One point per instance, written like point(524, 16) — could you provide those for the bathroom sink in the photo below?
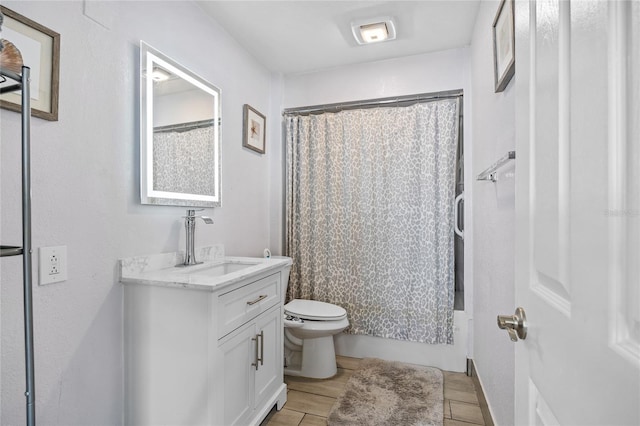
point(219, 269)
point(215, 272)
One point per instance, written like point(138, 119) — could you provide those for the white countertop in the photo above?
point(161, 269)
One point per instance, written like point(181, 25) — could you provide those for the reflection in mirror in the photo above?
point(180, 134)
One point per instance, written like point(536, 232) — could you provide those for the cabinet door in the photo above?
point(269, 373)
point(237, 353)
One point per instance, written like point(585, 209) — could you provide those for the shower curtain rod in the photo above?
point(183, 127)
point(373, 103)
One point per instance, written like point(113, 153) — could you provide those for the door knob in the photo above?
point(516, 325)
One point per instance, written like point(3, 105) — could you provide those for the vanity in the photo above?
point(203, 343)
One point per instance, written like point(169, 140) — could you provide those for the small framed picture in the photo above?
point(40, 50)
point(254, 130)
point(504, 46)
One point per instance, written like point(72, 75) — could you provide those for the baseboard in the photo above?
point(482, 400)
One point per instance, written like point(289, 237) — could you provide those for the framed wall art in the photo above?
point(40, 50)
point(504, 51)
point(254, 129)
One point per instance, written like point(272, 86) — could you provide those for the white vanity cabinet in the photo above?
point(250, 375)
point(204, 356)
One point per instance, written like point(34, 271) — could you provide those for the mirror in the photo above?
point(179, 134)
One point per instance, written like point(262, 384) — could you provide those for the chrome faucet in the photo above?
point(190, 226)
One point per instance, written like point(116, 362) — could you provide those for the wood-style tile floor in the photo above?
point(309, 400)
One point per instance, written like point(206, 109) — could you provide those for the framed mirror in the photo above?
point(179, 134)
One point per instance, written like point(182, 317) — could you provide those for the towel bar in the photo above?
point(491, 172)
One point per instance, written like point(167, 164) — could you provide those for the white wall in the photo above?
point(493, 217)
point(276, 152)
point(182, 107)
point(86, 196)
point(434, 72)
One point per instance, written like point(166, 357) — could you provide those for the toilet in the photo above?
point(309, 327)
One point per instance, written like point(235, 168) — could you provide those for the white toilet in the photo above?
point(309, 327)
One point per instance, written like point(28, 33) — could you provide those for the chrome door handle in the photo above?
point(259, 352)
point(261, 336)
point(456, 208)
point(255, 364)
point(516, 325)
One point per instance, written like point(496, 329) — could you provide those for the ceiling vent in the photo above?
point(373, 30)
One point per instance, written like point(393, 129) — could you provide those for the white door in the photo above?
point(578, 212)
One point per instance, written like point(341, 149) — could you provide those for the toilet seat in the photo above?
point(314, 310)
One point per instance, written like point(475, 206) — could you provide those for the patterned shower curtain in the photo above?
point(370, 197)
point(179, 156)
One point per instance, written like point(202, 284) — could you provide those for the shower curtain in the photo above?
point(370, 197)
point(179, 156)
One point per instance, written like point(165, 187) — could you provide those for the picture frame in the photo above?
point(254, 129)
point(504, 51)
point(40, 50)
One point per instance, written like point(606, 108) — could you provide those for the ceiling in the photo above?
point(302, 36)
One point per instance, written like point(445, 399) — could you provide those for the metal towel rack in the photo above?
point(23, 84)
point(492, 171)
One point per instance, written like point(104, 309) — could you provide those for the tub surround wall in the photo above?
point(447, 357)
point(493, 215)
point(86, 195)
point(434, 72)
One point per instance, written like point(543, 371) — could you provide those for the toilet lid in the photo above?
point(314, 310)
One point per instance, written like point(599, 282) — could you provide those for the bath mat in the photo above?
point(390, 393)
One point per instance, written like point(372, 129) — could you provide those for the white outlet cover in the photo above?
point(44, 262)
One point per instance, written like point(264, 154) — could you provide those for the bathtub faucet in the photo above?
point(190, 227)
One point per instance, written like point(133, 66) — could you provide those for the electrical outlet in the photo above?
point(53, 264)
